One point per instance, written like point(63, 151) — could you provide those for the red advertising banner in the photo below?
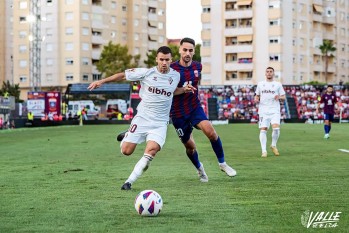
point(53, 103)
point(41, 103)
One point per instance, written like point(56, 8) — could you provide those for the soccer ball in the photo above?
point(148, 203)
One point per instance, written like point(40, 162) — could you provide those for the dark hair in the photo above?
point(187, 40)
point(164, 50)
point(270, 68)
point(330, 86)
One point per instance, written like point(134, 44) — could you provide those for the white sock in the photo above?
point(275, 136)
point(140, 167)
point(263, 140)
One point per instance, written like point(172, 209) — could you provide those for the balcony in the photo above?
point(238, 66)
point(233, 31)
point(238, 48)
point(97, 40)
point(238, 14)
point(329, 20)
point(96, 54)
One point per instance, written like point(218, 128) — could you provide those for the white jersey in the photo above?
point(267, 92)
point(156, 92)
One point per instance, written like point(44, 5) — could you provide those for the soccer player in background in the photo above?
point(329, 101)
point(158, 85)
point(269, 93)
point(187, 113)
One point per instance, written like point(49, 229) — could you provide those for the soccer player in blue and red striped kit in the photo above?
point(187, 113)
point(329, 101)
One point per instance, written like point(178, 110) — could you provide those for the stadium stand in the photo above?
point(236, 102)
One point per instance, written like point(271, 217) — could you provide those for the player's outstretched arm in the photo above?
point(182, 90)
point(114, 78)
point(256, 98)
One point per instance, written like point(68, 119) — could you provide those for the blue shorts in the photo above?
point(184, 125)
point(328, 117)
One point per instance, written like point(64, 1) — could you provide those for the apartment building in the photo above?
point(240, 38)
point(2, 42)
point(72, 34)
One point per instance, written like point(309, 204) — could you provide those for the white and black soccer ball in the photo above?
point(148, 203)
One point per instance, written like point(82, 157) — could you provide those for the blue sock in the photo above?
point(218, 149)
point(194, 158)
point(327, 129)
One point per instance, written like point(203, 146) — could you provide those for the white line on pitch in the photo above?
point(344, 150)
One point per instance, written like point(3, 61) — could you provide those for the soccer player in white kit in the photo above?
point(268, 95)
point(158, 85)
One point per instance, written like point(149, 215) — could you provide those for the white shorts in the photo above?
point(142, 130)
point(265, 120)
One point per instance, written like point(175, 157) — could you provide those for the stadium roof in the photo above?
point(108, 88)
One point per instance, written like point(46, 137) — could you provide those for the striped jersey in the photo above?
point(156, 92)
point(329, 101)
point(184, 104)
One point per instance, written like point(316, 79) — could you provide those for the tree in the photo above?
point(11, 90)
point(150, 62)
point(115, 58)
point(326, 49)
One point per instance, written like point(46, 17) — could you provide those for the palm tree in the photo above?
point(326, 49)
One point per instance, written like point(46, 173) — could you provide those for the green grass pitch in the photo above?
point(68, 179)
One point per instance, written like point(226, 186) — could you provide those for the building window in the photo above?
point(49, 77)
point(161, 12)
point(69, 61)
point(69, 77)
point(231, 75)
point(161, 39)
point(274, 57)
point(85, 16)
point(22, 48)
point(136, 8)
point(113, 5)
point(69, 31)
point(113, 19)
point(69, 16)
point(113, 34)
point(85, 46)
point(69, 46)
point(85, 77)
point(85, 31)
point(22, 19)
point(274, 22)
point(206, 43)
point(124, 22)
point(136, 50)
point(23, 63)
point(136, 36)
point(206, 9)
point(22, 79)
point(49, 2)
point(136, 22)
point(22, 34)
point(273, 40)
point(23, 5)
point(85, 61)
point(49, 47)
point(96, 77)
point(124, 8)
point(49, 62)
point(160, 25)
point(85, 2)
point(49, 32)
point(152, 10)
point(49, 17)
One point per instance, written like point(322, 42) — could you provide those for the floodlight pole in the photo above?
point(35, 46)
